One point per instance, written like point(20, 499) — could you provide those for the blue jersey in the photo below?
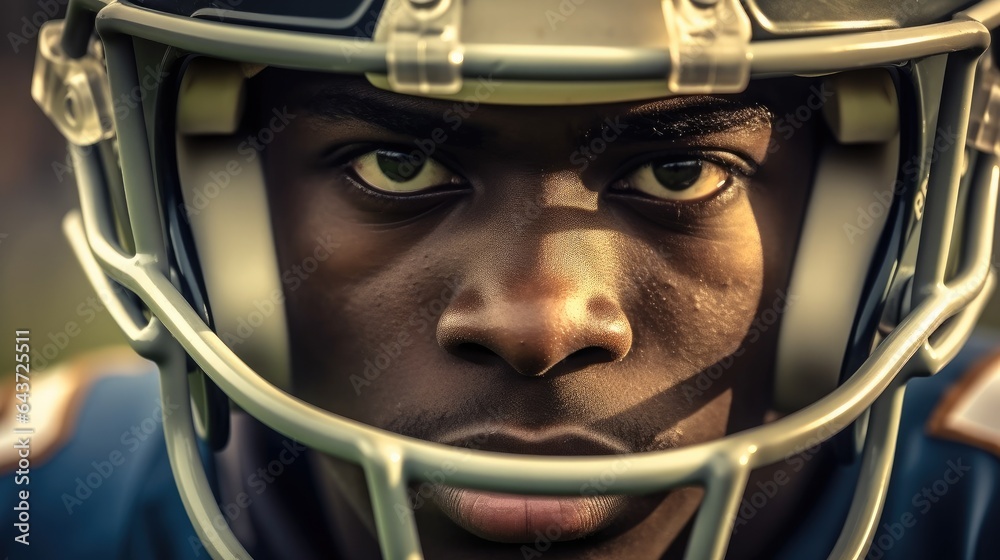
point(102, 488)
point(98, 479)
point(943, 501)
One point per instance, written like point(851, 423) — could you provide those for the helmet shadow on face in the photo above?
point(572, 307)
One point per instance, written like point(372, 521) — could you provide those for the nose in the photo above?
point(536, 332)
point(540, 291)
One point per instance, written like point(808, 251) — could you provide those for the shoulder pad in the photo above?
point(970, 410)
point(56, 396)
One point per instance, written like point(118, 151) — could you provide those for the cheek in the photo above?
point(698, 301)
point(363, 310)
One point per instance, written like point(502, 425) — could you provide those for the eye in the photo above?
point(399, 173)
point(681, 180)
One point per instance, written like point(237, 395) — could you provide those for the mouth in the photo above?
point(516, 518)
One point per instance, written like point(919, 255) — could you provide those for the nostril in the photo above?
point(588, 356)
point(475, 353)
point(537, 336)
point(579, 360)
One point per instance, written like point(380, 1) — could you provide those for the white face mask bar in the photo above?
point(390, 461)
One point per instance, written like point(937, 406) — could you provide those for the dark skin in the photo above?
point(516, 295)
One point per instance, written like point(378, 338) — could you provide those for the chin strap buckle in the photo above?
point(424, 53)
point(709, 42)
point(984, 118)
point(74, 93)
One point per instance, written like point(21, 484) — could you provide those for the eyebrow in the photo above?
point(410, 116)
point(663, 120)
point(690, 118)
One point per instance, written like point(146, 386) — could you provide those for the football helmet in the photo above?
point(149, 94)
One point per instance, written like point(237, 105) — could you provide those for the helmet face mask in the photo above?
point(264, 274)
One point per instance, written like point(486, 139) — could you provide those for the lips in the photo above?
point(516, 518)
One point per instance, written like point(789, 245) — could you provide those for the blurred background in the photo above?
point(41, 286)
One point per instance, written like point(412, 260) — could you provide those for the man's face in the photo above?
point(537, 280)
